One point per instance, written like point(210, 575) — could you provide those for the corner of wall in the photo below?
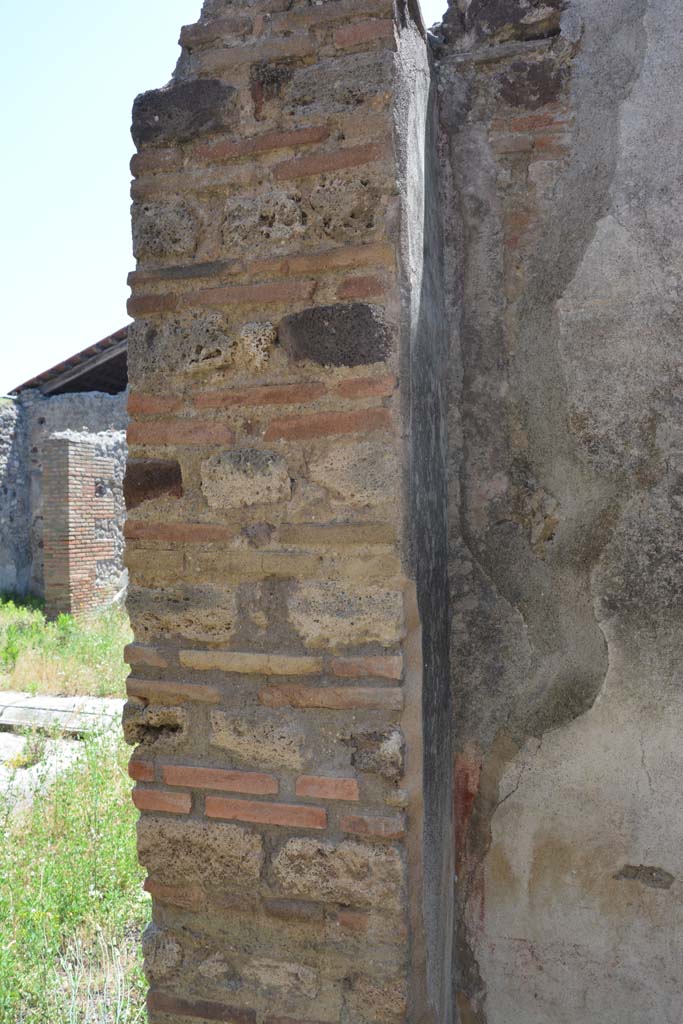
point(285, 530)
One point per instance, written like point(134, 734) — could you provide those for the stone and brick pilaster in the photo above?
point(278, 676)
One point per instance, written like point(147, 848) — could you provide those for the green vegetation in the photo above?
point(71, 900)
point(70, 656)
point(34, 750)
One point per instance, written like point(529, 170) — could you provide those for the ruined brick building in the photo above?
point(62, 463)
point(405, 504)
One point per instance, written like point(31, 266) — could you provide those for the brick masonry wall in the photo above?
point(78, 509)
point(276, 687)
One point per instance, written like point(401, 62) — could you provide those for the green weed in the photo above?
point(68, 656)
point(34, 750)
point(71, 900)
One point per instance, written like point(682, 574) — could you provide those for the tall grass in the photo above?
point(69, 656)
point(71, 900)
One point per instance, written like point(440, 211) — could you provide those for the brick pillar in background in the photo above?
point(275, 696)
point(72, 509)
point(69, 530)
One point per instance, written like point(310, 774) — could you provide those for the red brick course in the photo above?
point(229, 58)
point(218, 297)
point(276, 394)
point(183, 533)
point(159, 1002)
point(360, 32)
point(325, 788)
point(141, 654)
point(215, 778)
point(162, 800)
point(151, 405)
point(381, 667)
point(360, 288)
point(155, 160)
point(141, 771)
point(248, 294)
point(294, 910)
point(335, 160)
point(327, 424)
point(353, 920)
point(367, 387)
point(551, 145)
point(293, 695)
point(531, 122)
point(146, 305)
point(161, 692)
point(373, 827)
point(338, 258)
point(190, 898)
point(258, 813)
point(179, 432)
point(230, 150)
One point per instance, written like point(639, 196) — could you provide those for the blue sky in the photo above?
point(69, 75)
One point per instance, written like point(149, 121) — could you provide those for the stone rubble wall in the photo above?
point(15, 567)
point(276, 688)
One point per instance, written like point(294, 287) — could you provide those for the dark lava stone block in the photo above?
point(504, 20)
point(151, 478)
point(532, 84)
point(183, 111)
point(344, 335)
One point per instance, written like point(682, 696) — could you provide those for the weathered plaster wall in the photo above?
point(563, 126)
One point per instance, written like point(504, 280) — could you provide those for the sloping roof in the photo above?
point(100, 367)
